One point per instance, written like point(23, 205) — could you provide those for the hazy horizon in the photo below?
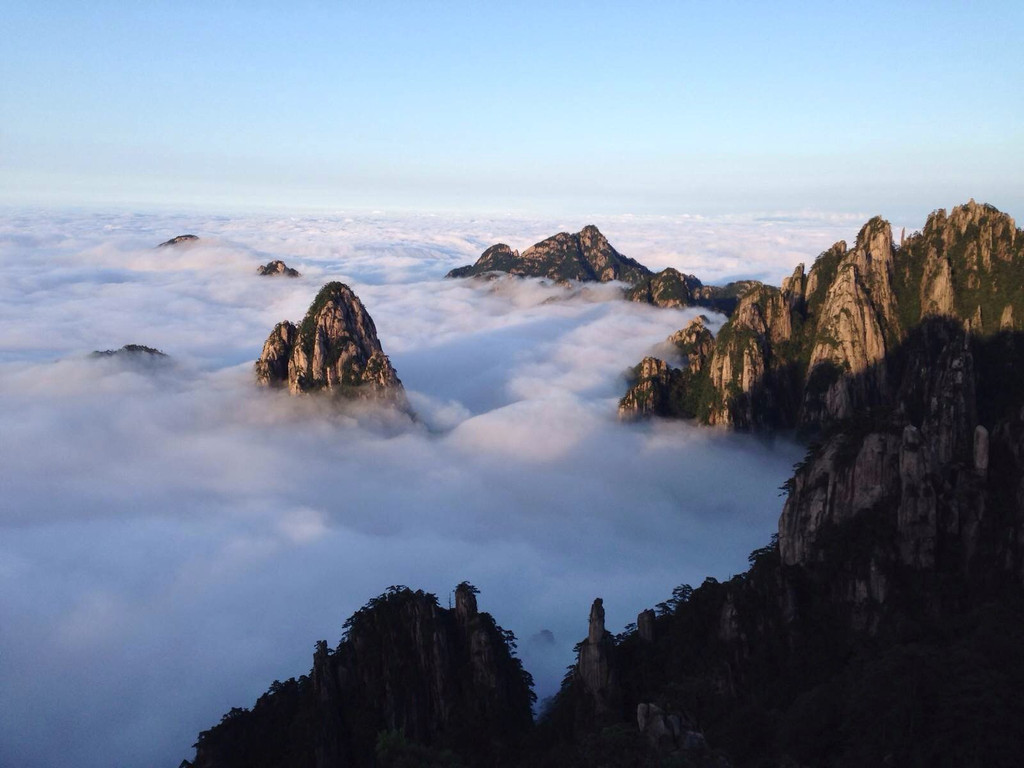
point(556, 108)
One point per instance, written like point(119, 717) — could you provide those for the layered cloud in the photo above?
point(172, 538)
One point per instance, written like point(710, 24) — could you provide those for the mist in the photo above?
point(173, 538)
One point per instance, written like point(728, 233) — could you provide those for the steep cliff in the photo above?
point(817, 350)
point(658, 389)
point(424, 684)
point(335, 349)
point(586, 256)
point(879, 626)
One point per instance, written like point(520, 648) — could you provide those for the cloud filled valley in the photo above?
point(173, 538)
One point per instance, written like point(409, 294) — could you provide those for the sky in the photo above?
point(174, 538)
point(552, 108)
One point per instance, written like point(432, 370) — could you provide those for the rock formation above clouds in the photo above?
point(179, 240)
point(275, 268)
point(334, 349)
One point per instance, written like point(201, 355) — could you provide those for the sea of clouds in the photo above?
point(173, 538)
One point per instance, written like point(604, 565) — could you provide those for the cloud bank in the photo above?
point(172, 538)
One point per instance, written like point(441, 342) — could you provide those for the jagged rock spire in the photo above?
point(335, 349)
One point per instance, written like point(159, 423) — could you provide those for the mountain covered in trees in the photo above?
point(881, 625)
point(410, 683)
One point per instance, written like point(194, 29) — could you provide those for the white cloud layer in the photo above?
point(172, 538)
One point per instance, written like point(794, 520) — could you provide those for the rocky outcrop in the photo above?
point(818, 350)
point(856, 327)
point(438, 679)
point(594, 667)
point(657, 388)
point(668, 288)
point(586, 256)
point(921, 461)
point(653, 392)
point(895, 585)
point(128, 352)
point(749, 381)
point(179, 240)
point(275, 268)
point(335, 349)
point(672, 288)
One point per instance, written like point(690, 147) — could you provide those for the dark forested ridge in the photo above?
point(411, 683)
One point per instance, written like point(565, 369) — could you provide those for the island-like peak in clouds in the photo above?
point(275, 268)
point(128, 351)
point(586, 256)
point(179, 240)
point(335, 349)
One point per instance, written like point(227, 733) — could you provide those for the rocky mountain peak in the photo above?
point(595, 632)
point(129, 351)
point(594, 667)
point(586, 256)
point(277, 267)
point(179, 240)
point(334, 349)
point(465, 601)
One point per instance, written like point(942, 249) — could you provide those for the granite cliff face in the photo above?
point(880, 625)
point(586, 256)
point(818, 350)
point(895, 585)
point(653, 391)
point(410, 683)
point(335, 349)
point(658, 389)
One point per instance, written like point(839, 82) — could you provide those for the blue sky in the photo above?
point(574, 106)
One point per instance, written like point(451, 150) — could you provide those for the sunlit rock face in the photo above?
point(585, 256)
point(335, 349)
point(672, 288)
point(821, 348)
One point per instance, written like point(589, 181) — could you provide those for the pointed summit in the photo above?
point(334, 349)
